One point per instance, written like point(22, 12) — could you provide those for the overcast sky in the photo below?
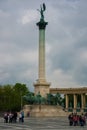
point(66, 42)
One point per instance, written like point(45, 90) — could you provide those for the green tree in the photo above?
point(6, 97)
point(11, 97)
point(20, 90)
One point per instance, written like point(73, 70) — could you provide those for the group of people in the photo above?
point(75, 119)
point(10, 117)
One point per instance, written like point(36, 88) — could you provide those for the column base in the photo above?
point(74, 110)
point(82, 110)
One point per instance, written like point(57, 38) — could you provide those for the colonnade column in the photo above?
point(75, 101)
point(84, 98)
point(83, 101)
point(82, 104)
point(67, 99)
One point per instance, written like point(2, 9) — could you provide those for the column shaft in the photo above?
point(75, 101)
point(82, 101)
point(42, 55)
point(66, 96)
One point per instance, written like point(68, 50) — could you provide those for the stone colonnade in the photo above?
point(79, 97)
point(75, 103)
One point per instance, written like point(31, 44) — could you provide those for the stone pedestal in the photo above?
point(42, 88)
point(44, 111)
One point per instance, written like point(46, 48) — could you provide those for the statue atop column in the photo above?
point(42, 9)
point(41, 84)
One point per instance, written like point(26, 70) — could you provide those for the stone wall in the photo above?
point(44, 111)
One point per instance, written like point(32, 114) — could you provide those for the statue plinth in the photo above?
point(42, 88)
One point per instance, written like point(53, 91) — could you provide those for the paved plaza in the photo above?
point(55, 123)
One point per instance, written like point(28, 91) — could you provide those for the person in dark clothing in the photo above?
point(70, 117)
point(15, 117)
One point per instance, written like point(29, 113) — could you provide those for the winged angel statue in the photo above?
point(42, 9)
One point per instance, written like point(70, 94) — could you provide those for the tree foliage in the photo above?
point(11, 96)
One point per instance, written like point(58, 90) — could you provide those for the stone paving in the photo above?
point(55, 123)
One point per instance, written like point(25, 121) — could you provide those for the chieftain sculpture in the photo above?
point(42, 9)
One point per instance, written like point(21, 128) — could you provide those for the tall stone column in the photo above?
point(41, 86)
point(41, 73)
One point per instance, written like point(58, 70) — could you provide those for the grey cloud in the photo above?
point(65, 34)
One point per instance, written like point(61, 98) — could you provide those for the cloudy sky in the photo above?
point(66, 42)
